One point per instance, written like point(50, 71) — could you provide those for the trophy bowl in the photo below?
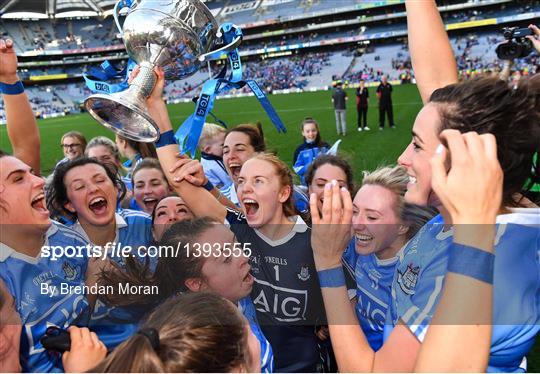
point(175, 35)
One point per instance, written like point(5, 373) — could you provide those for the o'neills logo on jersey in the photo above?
point(43, 277)
point(407, 281)
point(374, 276)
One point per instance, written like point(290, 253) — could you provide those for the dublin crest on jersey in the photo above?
point(304, 273)
point(407, 281)
point(70, 272)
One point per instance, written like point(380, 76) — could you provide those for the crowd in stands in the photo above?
point(287, 72)
point(474, 54)
point(64, 34)
point(430, 265)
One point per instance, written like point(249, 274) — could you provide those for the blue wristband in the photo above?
point(166, 138)
point(208, 186)
point(332, 277)
point(471, 262)
point(11, 89)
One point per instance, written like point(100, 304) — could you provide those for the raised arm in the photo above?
point(459, 335)
point(200, 201)
point(465, 308)
point(432, 57)
point(21, 126)
point(330, 236)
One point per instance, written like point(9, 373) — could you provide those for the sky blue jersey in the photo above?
point(114, 325)
point(373, 284)
point(418, 283)
point(267, 356)
point(41, 289)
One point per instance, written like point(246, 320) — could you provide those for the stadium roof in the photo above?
point(54, 8)
point(58, 8)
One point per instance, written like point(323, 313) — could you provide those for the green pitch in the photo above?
point(364, 150)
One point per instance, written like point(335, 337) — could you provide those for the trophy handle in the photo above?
point(120, 4)
point(214, 55)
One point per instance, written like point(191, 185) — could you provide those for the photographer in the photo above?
point(481, 118)
point(535, 39)
point(519, 44)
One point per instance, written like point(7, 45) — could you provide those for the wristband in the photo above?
point(471, 262)
point(166, 138)
point(208, 186)
point(331, 278)
point(11, 89)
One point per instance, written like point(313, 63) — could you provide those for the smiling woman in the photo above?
point(73, 144)
point(228, 276)
point(149, 184)
point(379, 234)
point(68, 193)
point(167, 211)
point(22, 209)
point(88, 191)
point(286, 293)
point(241, 143)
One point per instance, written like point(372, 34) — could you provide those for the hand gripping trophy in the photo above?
point(176, 35)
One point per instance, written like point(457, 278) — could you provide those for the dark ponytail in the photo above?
point(490, 105)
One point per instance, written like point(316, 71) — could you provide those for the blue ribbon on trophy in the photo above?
point(125, 113)
point(190, 131)
point(96, 78)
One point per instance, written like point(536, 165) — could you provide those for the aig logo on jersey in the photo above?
point(281, 303)
point(304, 273)
point(407, 280)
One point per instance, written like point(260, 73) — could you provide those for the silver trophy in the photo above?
point(176, 35)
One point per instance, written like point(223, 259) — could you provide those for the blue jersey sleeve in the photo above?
point(46, 293)
point(267, 356)
point(113, 325)
point(516, 296)
point(419, 279)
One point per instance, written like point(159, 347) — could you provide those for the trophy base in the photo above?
point(125, 118)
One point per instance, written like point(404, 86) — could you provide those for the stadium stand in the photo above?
point(288, 45)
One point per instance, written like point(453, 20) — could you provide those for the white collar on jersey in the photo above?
point(519, 216)
point(6, 251)
point(119, 220)
point(442, 235)
point(299, 226)
point(385, 262)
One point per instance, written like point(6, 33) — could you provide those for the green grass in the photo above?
point(364, 150)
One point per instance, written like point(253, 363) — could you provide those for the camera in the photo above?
point(56, 339)
point(516, 44)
